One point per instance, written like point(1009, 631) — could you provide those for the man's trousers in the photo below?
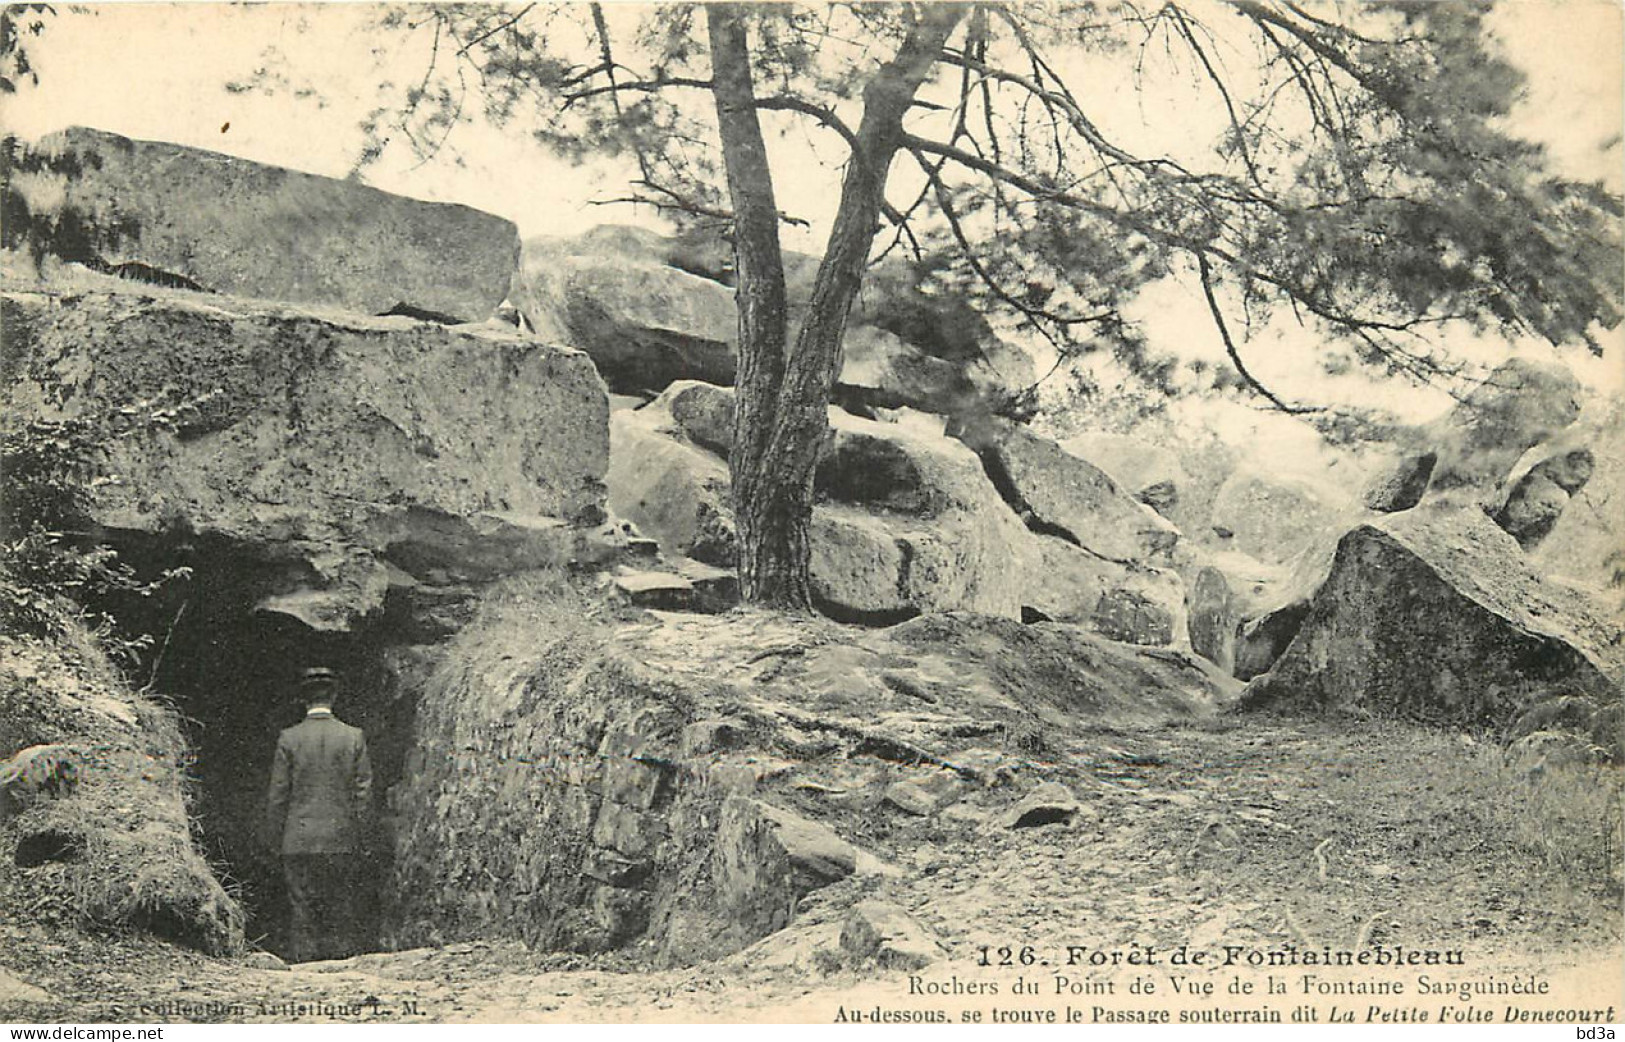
point(322, 899)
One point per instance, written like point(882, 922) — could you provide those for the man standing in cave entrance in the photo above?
point(321, 782)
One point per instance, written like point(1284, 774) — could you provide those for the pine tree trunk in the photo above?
point(781, 400)
point(766, 558)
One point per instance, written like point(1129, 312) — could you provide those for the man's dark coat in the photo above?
point(320, 784)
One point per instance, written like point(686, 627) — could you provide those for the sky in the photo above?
point(160, 72)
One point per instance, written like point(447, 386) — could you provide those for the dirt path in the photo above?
point(1254, 836)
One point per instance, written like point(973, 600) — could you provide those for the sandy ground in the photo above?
point(1273, 837)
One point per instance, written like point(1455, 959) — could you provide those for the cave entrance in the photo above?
point(232, 673)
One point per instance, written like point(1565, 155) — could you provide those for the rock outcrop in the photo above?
point(652, 310)
point(679, 785)
point(93, 815)
point(1070, 498)
point(317, 440)
point(1274, 518)
point(906, 522)
point(201, 220)
point(1519, 405)
point(1437, 615)
point(1538, 499)
point(1587, 541)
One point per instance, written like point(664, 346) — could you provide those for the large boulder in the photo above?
point(1436, 614)
point(644, 322)
point(1587, 541)
point(652, 310)
point(1273, 517)
point(1211, 607)
point(1134, 603)
point(906, 520)
point(314, 444)
point(1059, 494)
point(1150, 472)
point(937, 532)
point(1538, 499)
point(201, 219)
point(880, 370)
point(675, 493)
point(1519, 405)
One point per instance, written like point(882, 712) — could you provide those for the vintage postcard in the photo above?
point(1098, 513)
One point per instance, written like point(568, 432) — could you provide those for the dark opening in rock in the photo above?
point(138, 271)
point(874, 472)
point(42, 848)
point(858, 617)
point(231, 672)
point(1044, 816)
point(403, 309)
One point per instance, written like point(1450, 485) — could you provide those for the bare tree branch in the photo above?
point(508, 24)
point(1206, 273)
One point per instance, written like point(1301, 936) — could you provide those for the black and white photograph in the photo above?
point(1083, 512)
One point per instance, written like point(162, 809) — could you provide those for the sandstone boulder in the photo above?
point(1274, 518)
point(93, 801)
point(1212, 613)
point(676, 494)
point(1261, 641)
point(1401, 483)
point(1538, 499)
point(1062, 495)
point(924, 794)
point(1436, 614)
point(907, 521)
point(1134, 463)
point(880, 370)
point(1270, 617)
point(881, 933)
point(651, 310)
point(643, 322)
point(704, 413)
point(314, 442)
point(237, 227)
point(1161, 496)
point(1135, 603)
point(1587, 541)
point(1520, 404)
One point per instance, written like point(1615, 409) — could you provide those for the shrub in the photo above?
point(51, 567)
